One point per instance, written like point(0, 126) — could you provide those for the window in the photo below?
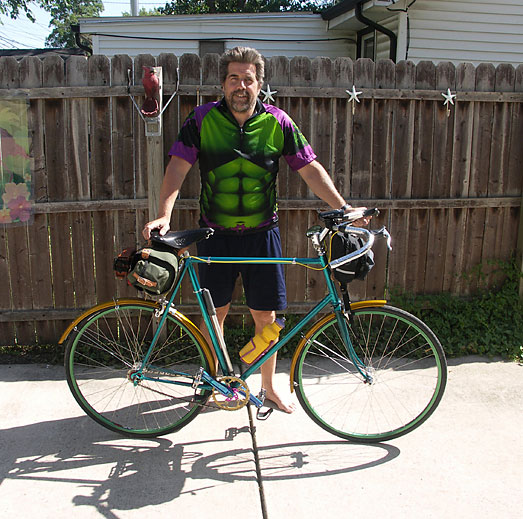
point(210, 46)
point(366, 44)
point(368, 50)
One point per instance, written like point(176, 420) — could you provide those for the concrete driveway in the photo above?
point(466, 461)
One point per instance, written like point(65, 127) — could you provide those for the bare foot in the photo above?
point(287, 406)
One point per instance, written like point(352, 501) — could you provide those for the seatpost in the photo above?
point(216, 325)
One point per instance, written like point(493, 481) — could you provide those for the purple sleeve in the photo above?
point(187, 145)
point(179, 149)
point(296, 150)
point(301, 159)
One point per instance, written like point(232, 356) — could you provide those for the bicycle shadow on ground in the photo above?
point(111, 473)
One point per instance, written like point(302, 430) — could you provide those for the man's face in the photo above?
point(241, 88)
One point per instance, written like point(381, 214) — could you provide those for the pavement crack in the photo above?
point(257, 463)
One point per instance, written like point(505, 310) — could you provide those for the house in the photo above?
point(416, 30)
point(434, 30)
point(273, 34)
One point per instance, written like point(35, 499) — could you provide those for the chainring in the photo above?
point(241, 394)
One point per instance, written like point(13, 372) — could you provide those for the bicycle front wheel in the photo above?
point(105, 352)
point(404, 374)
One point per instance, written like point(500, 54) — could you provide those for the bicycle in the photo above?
point(365, 371)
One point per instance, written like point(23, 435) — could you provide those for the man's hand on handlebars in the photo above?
point(161, 224)
point(366, 216)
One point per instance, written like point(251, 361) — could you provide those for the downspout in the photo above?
point(371, 23)
point(75, 28)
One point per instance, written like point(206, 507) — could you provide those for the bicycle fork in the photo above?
point(342, 318)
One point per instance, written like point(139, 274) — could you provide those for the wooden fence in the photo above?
point(449, 184)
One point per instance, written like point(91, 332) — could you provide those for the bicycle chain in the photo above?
point(190, 400)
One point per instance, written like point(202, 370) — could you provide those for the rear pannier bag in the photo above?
point(153, 271)
point(343, 244)
point(123, 263)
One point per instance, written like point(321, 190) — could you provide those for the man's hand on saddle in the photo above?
point(162, 225)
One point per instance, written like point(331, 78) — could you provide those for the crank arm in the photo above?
point(222, 388)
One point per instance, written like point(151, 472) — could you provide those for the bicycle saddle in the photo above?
point(182, 239)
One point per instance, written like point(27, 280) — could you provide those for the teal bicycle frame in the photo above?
point(331, 298)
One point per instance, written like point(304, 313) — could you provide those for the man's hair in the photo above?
point(242, 55)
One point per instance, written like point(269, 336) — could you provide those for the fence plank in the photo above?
point(480, 165)
point(440, 180)
point(342, 128)
point(362, 132)
point(189, 74)
point(124, 171)
point(38, 233)
point(401, 176)
point(494, 241)
point(421, 175)
point(102, 182)
point(78, 169)
point(515, 177)
point(16, 235)
point(300, 111)
point(7, 330)
point(277, 75)
point(362, 135)
point(170, 118)
point(457, 245)
point(380, 179)
point(291, 223)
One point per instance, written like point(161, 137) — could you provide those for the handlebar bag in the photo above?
point(153, 271)
point(343, 244)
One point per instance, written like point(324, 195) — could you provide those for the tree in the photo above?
point(243, 6)
point(63, 14)
point(144, 12)
point(13, 8)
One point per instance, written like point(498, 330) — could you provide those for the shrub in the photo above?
point(489, 322)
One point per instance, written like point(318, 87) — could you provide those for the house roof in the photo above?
point(42, 53)
point(341, 8)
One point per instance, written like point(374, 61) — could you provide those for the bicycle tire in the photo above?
point(107, 346)
point(404, 358)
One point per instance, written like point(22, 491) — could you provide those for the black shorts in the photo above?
point(264, 285)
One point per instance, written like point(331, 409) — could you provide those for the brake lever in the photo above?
point(384, 234)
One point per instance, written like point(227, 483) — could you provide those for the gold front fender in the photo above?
point(354, 306)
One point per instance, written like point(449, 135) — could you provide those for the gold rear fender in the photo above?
point(152, 304)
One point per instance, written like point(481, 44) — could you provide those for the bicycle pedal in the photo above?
point(261, 395)
point(263, 413)
point(197, 378)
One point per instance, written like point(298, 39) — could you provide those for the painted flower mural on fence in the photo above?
point(15, 163)
point(16, 200)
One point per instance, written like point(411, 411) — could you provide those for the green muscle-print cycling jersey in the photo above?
point(238, 166)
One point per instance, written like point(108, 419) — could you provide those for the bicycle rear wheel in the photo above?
point(107, 348)
point(399, 352)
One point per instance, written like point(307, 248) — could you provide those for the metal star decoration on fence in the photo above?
point(267, 94)
point(353, 96)
point(449, 100)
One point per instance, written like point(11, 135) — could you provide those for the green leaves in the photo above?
point(490, 322)
point(63, 13)
point(242, 6)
